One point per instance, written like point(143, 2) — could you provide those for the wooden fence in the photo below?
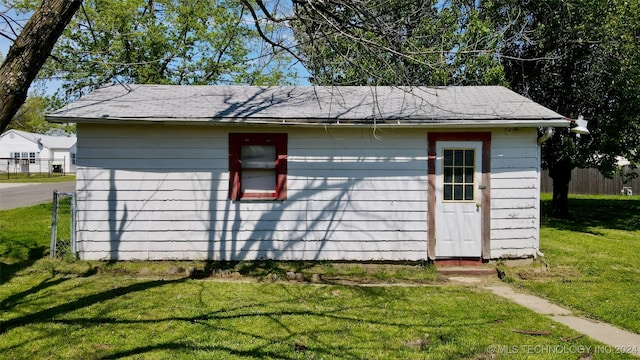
point(590, 181)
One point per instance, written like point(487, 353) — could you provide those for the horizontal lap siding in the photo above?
point(515, 194)
point(158, 192)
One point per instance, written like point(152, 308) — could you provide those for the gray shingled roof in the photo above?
point(48, 141)
point(471, 105)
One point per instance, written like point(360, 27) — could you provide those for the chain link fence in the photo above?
point(63, 228)
point(20, 168)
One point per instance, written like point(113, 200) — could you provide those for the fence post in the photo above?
point(54, 225)
point(73, 223)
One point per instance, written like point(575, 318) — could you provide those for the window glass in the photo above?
point(448, 174)
point(258, 180)
point(469, 158)
point(457, 158)
point(468, 192)
point(258, 156)
point(468, 174)
point(457, 192)
point(448, 158)
point(457, 174)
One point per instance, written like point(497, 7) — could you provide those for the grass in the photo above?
point(25, 233)
point(592, 261)
point(50, 313)
point(35, 178)
point(153, 310)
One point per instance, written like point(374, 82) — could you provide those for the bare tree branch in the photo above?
point(261, 33)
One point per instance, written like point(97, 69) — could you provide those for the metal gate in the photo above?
point(61, 245)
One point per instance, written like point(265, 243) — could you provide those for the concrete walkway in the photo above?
point(618, 339)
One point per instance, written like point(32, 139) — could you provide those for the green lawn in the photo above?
point(25, 232)
point(98, 310)
point(35, 178)
point(93, 316)
point(592, 261)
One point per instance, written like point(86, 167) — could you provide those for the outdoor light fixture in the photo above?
point(581, 126)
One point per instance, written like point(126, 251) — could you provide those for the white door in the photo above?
point(458, 199)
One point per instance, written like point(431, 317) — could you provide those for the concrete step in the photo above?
point(467, 270)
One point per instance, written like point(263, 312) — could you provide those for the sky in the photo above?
point(50, 87)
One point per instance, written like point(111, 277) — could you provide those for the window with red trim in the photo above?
point(257, 166)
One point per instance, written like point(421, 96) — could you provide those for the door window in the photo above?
point(458, 174)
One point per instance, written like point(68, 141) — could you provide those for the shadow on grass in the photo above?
point(47, 314)
point(177, 346)
point(13, 299)
point(7, 271)
point(215, 322)
point(585, 212)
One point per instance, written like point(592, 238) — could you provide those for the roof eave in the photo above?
point(422, 123)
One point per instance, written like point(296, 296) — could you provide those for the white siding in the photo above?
point(10, 144)
point(159, 192)
point(515, 194)
point(16, 143)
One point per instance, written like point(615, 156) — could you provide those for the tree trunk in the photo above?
point(29, 52)
point(561, 175)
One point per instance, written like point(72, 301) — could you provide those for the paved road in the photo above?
point(15, 195)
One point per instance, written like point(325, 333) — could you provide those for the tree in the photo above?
point(162, 42)
point(30, 116)
point(388, 42)
point(576, 57)
point(29, 52)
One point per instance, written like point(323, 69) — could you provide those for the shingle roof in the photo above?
point(479, 105)
point(48, 141)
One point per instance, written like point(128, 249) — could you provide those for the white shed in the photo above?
point(307, 173)
point(25, 152)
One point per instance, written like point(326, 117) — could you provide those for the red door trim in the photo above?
point(485, 220)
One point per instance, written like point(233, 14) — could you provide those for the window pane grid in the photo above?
point(458, 174)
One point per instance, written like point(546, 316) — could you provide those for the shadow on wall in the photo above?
point(218, 221)
point(116, 226)
point(269, 243)
point(308, 220)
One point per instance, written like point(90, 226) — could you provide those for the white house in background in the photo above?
point(307, 173)
point(22, 151)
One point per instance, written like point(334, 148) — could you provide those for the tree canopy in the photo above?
point(396, 42)
point(162, 42)
point(577, 57)
point(30, 116)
